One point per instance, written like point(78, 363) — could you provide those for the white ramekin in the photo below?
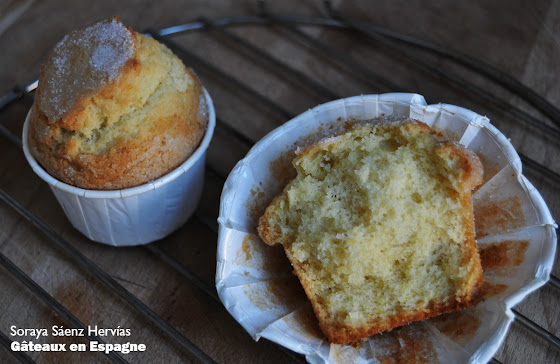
point(138, 215)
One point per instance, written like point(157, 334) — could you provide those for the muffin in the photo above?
point(378, 225)
point(114, 109)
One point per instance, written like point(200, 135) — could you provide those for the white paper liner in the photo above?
point(265, 300)
point(137, 215)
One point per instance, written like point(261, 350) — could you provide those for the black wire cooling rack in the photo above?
point(426, 56)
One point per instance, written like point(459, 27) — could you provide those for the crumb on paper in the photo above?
point(281, 171)
point(491, 168)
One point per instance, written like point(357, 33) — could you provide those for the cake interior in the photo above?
point(374, 224)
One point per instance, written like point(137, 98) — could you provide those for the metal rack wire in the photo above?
point(407, 46)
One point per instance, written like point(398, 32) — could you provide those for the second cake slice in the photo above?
point(378, 225)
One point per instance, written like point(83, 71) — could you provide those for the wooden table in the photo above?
point(175, 315)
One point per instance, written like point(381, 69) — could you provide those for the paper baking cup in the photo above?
point(137, 215)
point(255, 283)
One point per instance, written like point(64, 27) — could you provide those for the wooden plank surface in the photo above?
point(519, 37)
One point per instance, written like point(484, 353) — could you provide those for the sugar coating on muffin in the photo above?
point(379, 228)
point(114, 109)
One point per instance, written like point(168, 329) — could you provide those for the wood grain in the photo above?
point(520, 38)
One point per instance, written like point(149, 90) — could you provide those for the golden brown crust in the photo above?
point(470, 176)
point(133, 126)
point(266, 232)
point(127, 163)
point(466, 161)
point(338, 333)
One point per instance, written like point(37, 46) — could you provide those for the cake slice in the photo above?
point(378, 225)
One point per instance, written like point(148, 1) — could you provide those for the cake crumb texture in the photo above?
point(379, 227)
point(114, 109)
